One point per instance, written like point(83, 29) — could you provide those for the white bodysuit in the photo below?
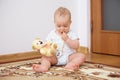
point(63, 50)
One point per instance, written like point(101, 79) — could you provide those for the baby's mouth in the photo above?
point(62, 32)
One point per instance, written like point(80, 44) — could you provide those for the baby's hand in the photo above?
point(64, 36)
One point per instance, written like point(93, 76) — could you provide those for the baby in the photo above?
point(67, 43)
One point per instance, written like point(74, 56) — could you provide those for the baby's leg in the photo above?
point(75, 60)
point(46, 63)
point(42, 67)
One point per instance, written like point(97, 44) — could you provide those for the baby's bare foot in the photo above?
point(71, 67)
point(39, 68)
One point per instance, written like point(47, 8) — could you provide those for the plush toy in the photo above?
point(45, 48)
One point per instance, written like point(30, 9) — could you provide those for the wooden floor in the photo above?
point(92, 57)
point(104, 59)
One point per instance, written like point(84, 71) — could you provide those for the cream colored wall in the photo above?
point(23, 20)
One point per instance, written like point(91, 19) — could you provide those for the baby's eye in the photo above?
point(65, 26)
point(59, 26)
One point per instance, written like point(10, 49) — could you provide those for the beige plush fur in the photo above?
point(47, 48)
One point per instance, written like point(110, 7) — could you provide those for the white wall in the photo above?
point(21, 21)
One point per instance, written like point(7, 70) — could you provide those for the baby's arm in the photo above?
point(74, 44)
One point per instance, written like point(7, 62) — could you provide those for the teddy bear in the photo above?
point(45, 48)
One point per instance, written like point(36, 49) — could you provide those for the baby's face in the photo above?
point(62, 24)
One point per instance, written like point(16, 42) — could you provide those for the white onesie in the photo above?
point(63, 50)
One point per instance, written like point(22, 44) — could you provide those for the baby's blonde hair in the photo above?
point(62, 11)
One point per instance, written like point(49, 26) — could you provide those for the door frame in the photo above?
point(96, 13)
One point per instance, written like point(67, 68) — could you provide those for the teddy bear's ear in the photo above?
point(54, 46)
point(37, 38)
point(33, 47)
